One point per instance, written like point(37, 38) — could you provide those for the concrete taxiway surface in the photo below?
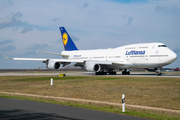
point(133, 74)
point(22, 109)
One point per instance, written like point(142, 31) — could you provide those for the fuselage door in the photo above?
point(147, 55)
point(127, 57)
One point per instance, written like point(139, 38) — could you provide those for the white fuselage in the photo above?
point(146, 55)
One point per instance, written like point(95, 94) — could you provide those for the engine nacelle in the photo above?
point(93, 67)
point(54, 65)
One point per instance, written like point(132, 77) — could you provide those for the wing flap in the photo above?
point(53, 53)
point(122, 63)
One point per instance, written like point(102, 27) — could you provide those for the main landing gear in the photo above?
point(125, 72)
point(112, 72)
point(100, 73)
point(105, 73)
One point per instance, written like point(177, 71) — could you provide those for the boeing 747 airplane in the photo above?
point(103, 61)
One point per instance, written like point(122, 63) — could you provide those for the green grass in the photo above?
point(111, 109)
point(111, 78)
point(36, 79)
point(155, 92)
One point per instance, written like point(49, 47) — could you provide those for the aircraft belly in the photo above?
point(118, 66)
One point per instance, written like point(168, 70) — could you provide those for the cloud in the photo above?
point(32, 49)
point(37, 46)
point(30, 28)
point(7, 4)
point(74, 38)
point(131, 1)
point(7, 45)
point(168, 9)
point(128, 18)
point(27, 29)
point(85, 5)
point(158, 8)
point(55, 19)
point(56, 41)
point(12, 20)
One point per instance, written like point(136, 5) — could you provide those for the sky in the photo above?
point(27, 26)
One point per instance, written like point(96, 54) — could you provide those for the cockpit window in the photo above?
point(162, 46)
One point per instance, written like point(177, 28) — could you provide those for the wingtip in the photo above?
point(7, 57)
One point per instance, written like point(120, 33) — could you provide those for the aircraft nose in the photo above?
point(173, 56)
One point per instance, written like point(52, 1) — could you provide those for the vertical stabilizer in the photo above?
point(67, 41)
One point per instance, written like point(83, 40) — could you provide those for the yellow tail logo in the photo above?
point(65, 38)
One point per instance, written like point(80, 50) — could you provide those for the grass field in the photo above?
point(155, 92)
point(173, 73)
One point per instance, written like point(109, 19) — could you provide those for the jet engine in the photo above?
point(92, 67)
point(54, 65)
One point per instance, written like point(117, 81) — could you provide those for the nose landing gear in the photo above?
point(158, 73)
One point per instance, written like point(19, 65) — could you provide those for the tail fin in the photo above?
point(67, 41)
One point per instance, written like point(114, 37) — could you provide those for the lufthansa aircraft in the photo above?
point(103, 61)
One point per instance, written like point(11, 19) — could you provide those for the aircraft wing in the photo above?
point(78, 62)
point(74, 60)
point(35, 59)
point(46, 59)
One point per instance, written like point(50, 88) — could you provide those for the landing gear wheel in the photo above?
point(112, 73)
point(100, 73)
point(125, 72)
point(158, 73)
